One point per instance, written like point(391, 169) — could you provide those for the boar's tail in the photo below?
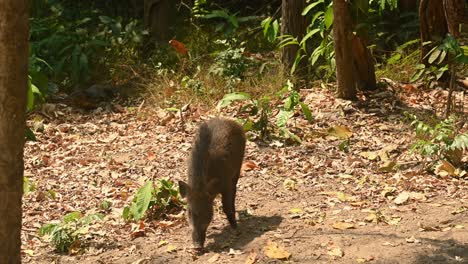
point(200, 158)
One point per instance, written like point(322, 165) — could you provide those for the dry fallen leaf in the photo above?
point(251, 258)
point(444, 168)
point(402, 198)
point(341, 132)
point(214, 258)
point(249, 165)
point(272, 250)
point(171, 248)
point(343, 225)
point(336, 252)
point(289, 184)
point(387, 166)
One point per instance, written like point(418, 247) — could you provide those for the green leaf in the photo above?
point(248, 125)
point(91, 218)
point(30, 135)
point(306, 110)
point(308, 35)
point(288, 134)
point(47, 229)
point(460, 142)
point(434, 55)
point(363, 5)
point(394, 59)
point(229, 98)
point(283, 117)
point(71, 217)
point(29, 98)
point(141, 201)
point(28, 186)
point(316, 16)
point(328, 19)
point(310, 6)
point(126, 213)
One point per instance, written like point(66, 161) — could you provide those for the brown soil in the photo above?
point(315, 201)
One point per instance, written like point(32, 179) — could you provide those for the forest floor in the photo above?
point(308, 203)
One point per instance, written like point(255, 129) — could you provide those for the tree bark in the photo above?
point(342, 37)
point(294, 24)
point(454, 14)
point(408, 5)
point(433, 25)
point(13, 84)
point(159, 16)
point(364, 70)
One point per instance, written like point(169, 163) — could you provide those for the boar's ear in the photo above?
point(184, 189)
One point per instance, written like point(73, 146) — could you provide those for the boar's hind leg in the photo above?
point(229, 208)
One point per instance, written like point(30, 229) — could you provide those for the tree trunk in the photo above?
point(159, 16)
point(408, 5)
point(13, 84)
point(433, 25)
point(364, 70)
point(454, 14)
point(342, 37)
point(293, 23)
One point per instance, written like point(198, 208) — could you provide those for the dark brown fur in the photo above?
point(214, 168)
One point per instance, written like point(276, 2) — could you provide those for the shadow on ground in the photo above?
point(445, 251)
point(249, 228)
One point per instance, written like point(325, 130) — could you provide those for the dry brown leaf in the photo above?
point(336, 252)
point(418, 196)
point(251, 258)
point(402, 198)
point(445, 168)
point(249, 165)
point(341, 132)
point(272, 250)
point(171, 248)
point(387, 166)
point(214, 258)
point(370, 155)
point(343, 225)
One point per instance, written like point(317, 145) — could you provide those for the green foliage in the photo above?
point(28, 186)
point(317, 44)
point(160, 200)
point(225, 22)
point(75, 45)
point(259, 111)
point(270, 29)
point(428, 74)
point(439, 140)
point(447, 52)
point(69, 231)
point(229, 61)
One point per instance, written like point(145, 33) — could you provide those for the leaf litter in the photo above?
point(294, 194)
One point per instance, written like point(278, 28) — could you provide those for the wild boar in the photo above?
point(214, 168)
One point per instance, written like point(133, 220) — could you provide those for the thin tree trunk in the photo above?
point(433, 26)
point(159, 16)
point(364, 69)
point(342, 37)
point(408, 5)
point(293, 23)
point(454, 14)
point(13, 85)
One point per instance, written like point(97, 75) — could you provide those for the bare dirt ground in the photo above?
point(315, 202)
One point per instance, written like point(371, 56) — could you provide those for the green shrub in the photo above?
point(69, 231)
point(157, 201)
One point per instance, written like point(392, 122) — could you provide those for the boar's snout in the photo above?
point(198, 237)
